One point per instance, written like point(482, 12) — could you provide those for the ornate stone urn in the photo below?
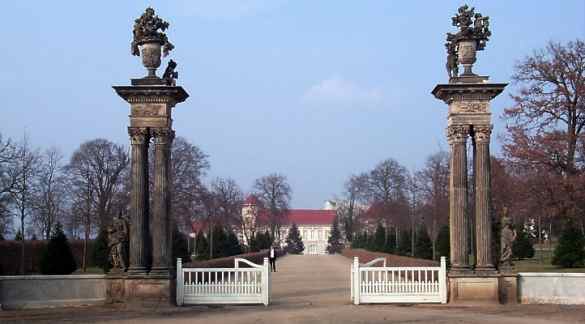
point(462, 47)
point(151, 52)
point(149, 42)
point(467, 50)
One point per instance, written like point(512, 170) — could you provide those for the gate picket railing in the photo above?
point(384, 284)
point(201, 286)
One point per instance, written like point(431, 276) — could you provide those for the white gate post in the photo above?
point(351, 282)
point(180, 283)
point(356, 281)
point(266, 282)
point(443, 280)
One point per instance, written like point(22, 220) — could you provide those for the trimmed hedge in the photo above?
point(228, 262)
point(392, 260)
point(10, 255)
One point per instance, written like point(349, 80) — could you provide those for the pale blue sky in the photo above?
point(316, 90)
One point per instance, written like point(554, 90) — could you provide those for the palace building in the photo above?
point(314, 224)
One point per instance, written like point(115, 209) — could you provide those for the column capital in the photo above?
point(457, 133)
point(481, 133)
point(163, 135)
point(138, 135)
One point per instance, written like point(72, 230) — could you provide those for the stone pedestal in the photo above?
point(472, 288)
point(149, 278)
point(469, 117)
point(508, 288)
point(142, 290)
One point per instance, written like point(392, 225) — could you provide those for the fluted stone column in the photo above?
point(483, 230)
point(139, 137)
point(458, 220)
point(161, 223)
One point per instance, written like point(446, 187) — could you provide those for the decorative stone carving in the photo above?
point(170, 76)
point(464, 44)
point(163, 135)
point(138, 135)
point(481, 133)
point(507, 238)
point(457, 133)
point(117, 243)
point(148, 40)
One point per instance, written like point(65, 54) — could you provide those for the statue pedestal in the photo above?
point(482, 288)
point(143, 290)
point(472, 288)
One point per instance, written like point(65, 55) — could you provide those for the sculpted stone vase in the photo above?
point(466, 51)
point(151, 56)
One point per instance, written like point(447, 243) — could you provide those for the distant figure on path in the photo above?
point(272, 258)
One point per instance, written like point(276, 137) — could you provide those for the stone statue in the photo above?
point(452, 65)
point(507, 238)
point(170, 75)
point(472, 36)
point(146, 29)
point(117, 241)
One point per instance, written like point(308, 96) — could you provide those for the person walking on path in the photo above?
point(272, 258)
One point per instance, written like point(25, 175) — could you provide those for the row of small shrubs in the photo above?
point(385, 240)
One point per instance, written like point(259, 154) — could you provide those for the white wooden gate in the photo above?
point(200, 286)
point(384, 284)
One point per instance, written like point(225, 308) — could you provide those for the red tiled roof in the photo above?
point(311, 216)
point(251, 200)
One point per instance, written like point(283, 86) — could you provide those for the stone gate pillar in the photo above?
point(468, 96)
point(161, 222)
point(458, 220)
point(483, 221)
point(151, 102)
point(139, 200)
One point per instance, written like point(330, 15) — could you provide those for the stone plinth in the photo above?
point(142, 290)
point(508, 288)
point(473, 289)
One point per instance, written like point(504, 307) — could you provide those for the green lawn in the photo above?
point(542, 263)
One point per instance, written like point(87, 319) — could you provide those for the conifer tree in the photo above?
point(294, 242)
point(234, 247)
point(180, 246)
point(201, 246)
point(100, 251)
point(522, 247)
point(57, 257)
point(18, 236)
point(379, 240)
point(391, 242)
point(334, 244)
point(443, 244)
point(570, 251)
point(405, 245)
point(424, 246)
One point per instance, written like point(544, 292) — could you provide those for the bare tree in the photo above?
point(96, 177)
point(188, 165)
point(49, 192)
point(387, 188)
point(102, 163)
point(433, 181)
point(8, 179)
point(351, 207)
point(24, 170)
point(221, 207)
point(274, 193)
point(229, 201)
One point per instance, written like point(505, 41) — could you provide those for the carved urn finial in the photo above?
point(148, 40)
point(472, 37)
